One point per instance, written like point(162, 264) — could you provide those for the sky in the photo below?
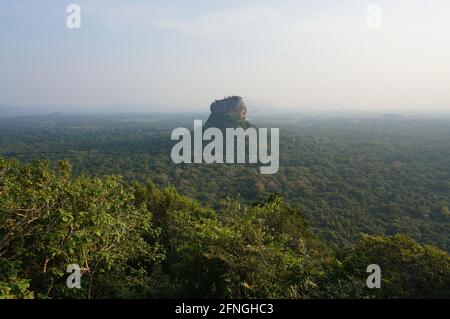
point(305, 55)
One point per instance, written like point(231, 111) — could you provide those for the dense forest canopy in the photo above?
point(380, 175)
point(139, 241)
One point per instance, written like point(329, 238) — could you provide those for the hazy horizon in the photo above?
point(291, 55)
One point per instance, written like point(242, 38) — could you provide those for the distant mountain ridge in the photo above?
point(12, 111)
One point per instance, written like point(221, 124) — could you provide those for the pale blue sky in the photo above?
point(298, 54)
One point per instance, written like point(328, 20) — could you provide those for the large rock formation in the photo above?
point(230, 105)
point(228, 112)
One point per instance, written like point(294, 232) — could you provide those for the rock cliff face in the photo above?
point(228, 112)
point(230, 105)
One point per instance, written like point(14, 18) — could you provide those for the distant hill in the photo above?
point(12, 111)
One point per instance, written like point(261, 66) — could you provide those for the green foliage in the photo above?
point(260, 251)
point(348, 176)
point(224, 121)
point(408, 269)
point(139, 241)
point(11, 285)
point(266, 251)
point(49, 220)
